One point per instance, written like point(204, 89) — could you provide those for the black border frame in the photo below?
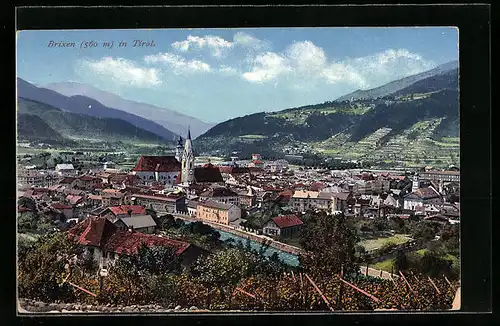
point(473, 22)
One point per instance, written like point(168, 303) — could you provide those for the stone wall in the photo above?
point(33, 306)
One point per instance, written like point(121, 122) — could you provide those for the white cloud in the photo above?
point(305, 60)
point(267, 66)
point(123, 71)
point(178, 63)
point(217, 45)
point(248, 41)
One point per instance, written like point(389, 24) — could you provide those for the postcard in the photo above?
point(185, 171)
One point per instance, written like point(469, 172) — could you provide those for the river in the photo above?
point(287, 258)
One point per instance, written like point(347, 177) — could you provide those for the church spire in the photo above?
point(187, 164)
point(189, 134)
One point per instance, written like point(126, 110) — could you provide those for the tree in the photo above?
point(41, 268)
point(424, 232)
point(330, 244)
point(400, 261)
point(223, 269)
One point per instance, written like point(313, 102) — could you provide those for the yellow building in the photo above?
point(217, 212)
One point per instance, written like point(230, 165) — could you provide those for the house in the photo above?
point(163, 169)
point(247, 198)
point(105, 242)
point(138, 223)
point(217, 212)
point(445, 176)
point(282, 226)
point(114, 197)
point(341, 201)
point(191, 207)
point(69, 182)
point(220, 194)
point(124, 180)
point(162, 204)
point(94, 200)
point(116, 212)
point(66, 170)
point(74, 200)
point(421, 197)
point(66, 210)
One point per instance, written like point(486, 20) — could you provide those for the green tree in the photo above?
point(223, 270)
point(400, 261)
point(330, 244)
point(41, 268)
point(424, 232)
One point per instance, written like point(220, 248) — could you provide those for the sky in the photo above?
point(220, 74)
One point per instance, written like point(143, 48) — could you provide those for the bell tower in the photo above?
point(187, 167)
point(178, 150)
point(416, 183)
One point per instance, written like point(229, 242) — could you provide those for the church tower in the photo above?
point(178, 150)
point(416, 183)
point(187, 169)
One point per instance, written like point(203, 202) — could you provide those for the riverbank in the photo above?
point(247, 235)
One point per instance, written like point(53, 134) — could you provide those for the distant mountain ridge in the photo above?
point(88, 106)
point(40, 121)
point(397, 85)
point(170, 119)
point(415, 120)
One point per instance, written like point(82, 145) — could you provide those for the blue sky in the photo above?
point(219, 74)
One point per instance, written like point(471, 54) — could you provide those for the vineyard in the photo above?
point(296, 292)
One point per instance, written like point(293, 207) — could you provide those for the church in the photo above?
point(175, 170)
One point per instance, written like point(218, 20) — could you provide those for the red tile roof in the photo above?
point(73, 199)
point(67, 180)
point(87, 178)
point(123, 210)
point(317, 186)
point(95, 197)
point(257, 162)
point(22, 209)
point(158, 164)
point(61, 206)
point(286, 221)
point(93, 231)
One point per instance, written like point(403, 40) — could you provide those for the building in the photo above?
point(303, 200)
point(187, 165)
point(256, 161)
point(247, 198)
point(217, 212)
point(114, 197)
point(105, 242)
point(30, 178)
point(192, 205)
point(282, 226)
point(86, 182)
point(138, 223)
point(162, 204)
point(161, 169)
point(66, 170)
point(444, 176)
point(221, 194)
point(421, 197)
point(66, 210)
point(116, 212)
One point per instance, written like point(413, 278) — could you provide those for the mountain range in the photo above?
point(169, 119)
point(410, 118)
point(397, 85)
point(42, 122)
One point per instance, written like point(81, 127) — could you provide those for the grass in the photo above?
point(371, 244)
point(385, 265)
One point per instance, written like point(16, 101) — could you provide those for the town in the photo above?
point(266, 204)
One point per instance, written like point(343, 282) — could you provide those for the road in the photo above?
point(377, 273)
